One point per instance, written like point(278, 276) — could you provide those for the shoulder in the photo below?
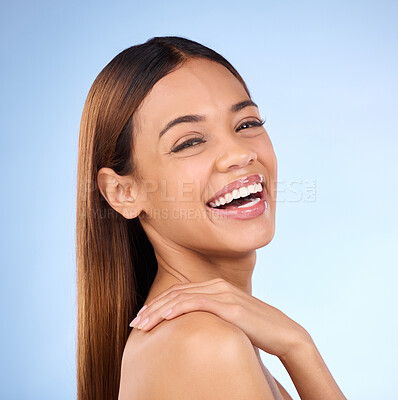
point(199, 355)
point(197, 333)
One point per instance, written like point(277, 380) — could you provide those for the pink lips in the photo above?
point(235, 212)
point(238, 183)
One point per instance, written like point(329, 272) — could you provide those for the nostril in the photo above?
point(239, 158)
point(253, 156)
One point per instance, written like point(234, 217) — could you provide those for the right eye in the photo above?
point(186, 144)
point(251, 124)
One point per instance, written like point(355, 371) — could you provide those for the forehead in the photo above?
point(199, 86)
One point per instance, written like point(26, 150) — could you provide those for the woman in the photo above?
point(184, 192)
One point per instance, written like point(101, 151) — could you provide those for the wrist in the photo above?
point(308, 371)
point(301, 346)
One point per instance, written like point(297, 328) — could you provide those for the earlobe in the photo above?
point(132, 213)
point(130, 209)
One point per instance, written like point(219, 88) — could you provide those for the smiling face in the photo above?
point(186, 165)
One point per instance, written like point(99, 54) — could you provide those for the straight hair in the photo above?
point(116, 263)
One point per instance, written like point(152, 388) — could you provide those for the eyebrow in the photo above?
point(199, 118)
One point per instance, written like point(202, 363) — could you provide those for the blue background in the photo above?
point(325, 76)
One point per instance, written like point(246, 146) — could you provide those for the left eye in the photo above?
point(188, 143)
point(251, 124)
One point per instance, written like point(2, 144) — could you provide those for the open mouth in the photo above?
point(245, 196)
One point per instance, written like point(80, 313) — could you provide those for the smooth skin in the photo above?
point(197, 355)
point(205, 263)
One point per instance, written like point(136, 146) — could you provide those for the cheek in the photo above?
point(265, 153)
point(175, 190)
point(267, 157)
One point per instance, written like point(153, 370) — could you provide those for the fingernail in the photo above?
point(142, 309)
point(135, 320)
point(143, 323)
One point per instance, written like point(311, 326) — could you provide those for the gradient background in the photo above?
point(325, 76)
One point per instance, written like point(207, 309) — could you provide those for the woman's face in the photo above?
point(190, 162)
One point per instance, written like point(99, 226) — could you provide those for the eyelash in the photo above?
point(184, 145)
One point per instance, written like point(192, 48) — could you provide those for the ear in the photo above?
point(121, 192)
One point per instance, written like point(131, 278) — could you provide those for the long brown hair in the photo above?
point(116, 264)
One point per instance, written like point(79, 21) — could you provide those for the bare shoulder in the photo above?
point(196, 355)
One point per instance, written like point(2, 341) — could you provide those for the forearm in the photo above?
point(309, 373)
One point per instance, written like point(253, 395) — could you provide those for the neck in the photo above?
point(178, 264)
point(186, 266)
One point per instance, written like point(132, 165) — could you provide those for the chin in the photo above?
point(249, 240)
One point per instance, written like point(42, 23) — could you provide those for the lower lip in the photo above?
point(242, 213)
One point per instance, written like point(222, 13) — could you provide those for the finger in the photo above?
point(165, 303)
point(204, 289)
point(229, 292)
point(218, 303)
point(211, 303)
point(177, 307)
point(178, 287)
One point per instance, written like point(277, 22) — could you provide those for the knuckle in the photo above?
point(236, 311)
point(201, 301)
point(229, 297)
point(180, 296)
point(173, 292)
point(177, 286)
point(223, 285)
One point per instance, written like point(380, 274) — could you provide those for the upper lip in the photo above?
point(238, 183)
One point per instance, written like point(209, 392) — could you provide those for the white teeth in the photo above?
point(228, 197)
point(243, 191)
point(237, 194)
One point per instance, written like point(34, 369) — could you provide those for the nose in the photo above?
point(235, 155)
